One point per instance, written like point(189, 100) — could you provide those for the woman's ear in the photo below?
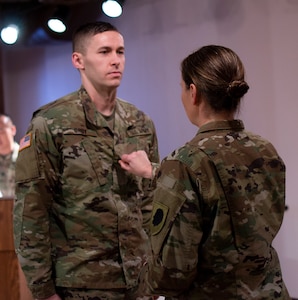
point(193, 94)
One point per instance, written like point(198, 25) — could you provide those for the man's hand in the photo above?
point(137, 163)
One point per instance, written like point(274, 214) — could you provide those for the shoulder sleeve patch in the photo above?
point(25, 142)
point(27, 161)
point(159, 216)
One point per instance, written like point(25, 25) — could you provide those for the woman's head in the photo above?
point(218, 74)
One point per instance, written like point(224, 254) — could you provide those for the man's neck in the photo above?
point(104, 100)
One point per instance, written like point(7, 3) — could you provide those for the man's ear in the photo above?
point(77, 60)
point(13, 130)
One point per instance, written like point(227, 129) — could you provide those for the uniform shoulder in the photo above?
point(256, 137)
point(60, 103)
point(128, 105)
point(127, 109)
point(188, 154)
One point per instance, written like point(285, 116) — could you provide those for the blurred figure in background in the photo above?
point(8, 155)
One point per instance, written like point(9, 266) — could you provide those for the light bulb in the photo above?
point(56, 25)
point(9, 34)
point(112, 8)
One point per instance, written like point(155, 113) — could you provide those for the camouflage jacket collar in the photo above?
point(235, 125)
point(94, 117)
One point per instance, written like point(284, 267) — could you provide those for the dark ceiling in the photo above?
point(32, 16)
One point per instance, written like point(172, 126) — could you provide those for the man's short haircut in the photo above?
point(88, 30)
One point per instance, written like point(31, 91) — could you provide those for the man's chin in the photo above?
point(116, 83)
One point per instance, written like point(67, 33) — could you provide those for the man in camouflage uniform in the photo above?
point(8, 156)
point(219, 200)
point(80, 221)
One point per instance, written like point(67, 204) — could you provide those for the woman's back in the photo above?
point(243, 206)
point(220, 199)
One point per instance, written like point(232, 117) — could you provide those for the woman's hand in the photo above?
point(137, 163)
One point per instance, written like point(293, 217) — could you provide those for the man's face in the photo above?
point(7, 133)
point(103, 60)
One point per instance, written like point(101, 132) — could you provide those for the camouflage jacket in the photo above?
point(79, 219)
point(7, 172)
point(218, 205)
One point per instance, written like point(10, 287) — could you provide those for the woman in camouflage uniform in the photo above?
point(220, 198)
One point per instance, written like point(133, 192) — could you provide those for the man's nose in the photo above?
point(116, 59)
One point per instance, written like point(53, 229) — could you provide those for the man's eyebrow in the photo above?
point(109, 47)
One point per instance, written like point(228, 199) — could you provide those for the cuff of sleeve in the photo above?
point(43, 290)
point(155, 167)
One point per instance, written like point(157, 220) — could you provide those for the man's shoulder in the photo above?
point(127, 105)
point(59, 105)
point(130, 111)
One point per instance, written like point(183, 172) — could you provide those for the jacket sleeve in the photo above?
point(149, 184)
point(36, 179)
point(175, 231)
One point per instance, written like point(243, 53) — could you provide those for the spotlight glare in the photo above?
point(112, 8)
point(9, 34)
point(56, 25)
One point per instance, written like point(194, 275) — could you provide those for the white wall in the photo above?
point(262, 32)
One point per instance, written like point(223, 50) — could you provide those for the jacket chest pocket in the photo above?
point(136, 139)
point(85, 162)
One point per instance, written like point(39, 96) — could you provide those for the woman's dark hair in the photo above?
point(218, 74)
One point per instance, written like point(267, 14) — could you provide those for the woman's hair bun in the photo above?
point(236, 89)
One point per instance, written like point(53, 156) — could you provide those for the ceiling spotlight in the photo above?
point(56, 25)
point(9, 34)
point(112, 8)
point(58, 21)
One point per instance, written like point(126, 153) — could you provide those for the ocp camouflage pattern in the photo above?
point(7, 172)
point(218, 205)
point(78, 217)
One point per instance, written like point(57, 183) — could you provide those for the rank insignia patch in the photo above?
point(159, 216)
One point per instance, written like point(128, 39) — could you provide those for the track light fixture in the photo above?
point(112, 8)
point(10, 34)
point(57, 22)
